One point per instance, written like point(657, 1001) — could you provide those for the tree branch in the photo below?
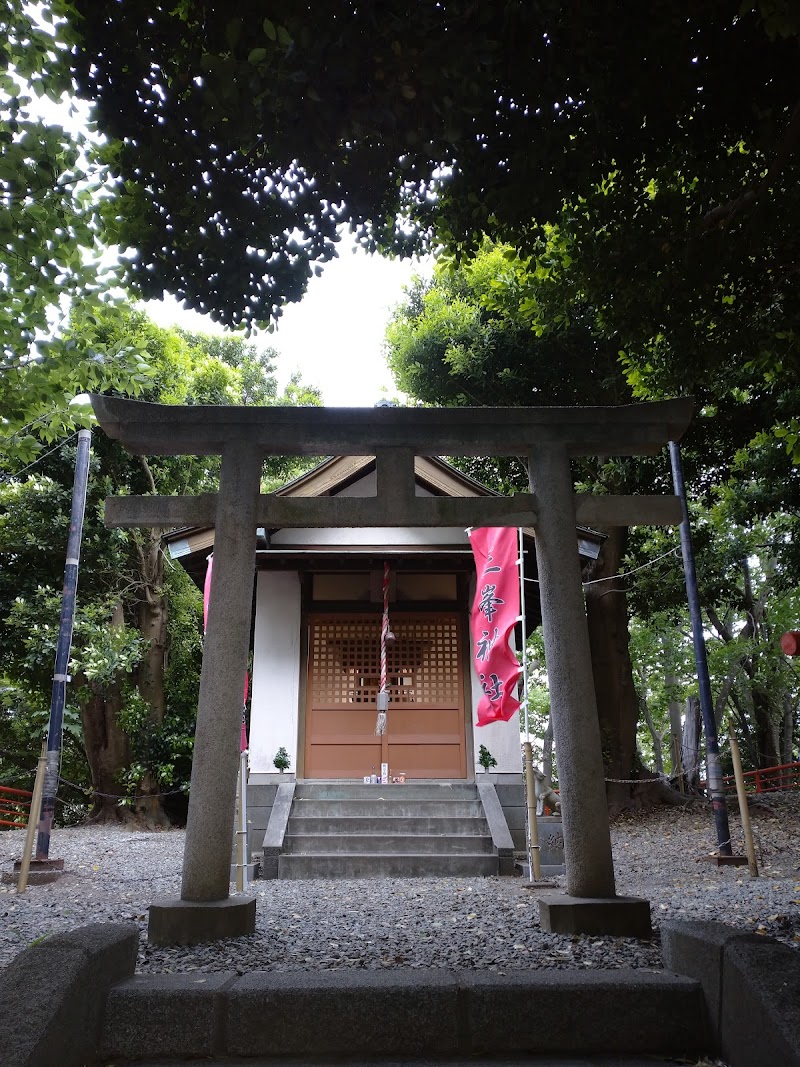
point(724, 213)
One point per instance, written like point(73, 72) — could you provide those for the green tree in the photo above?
point(53, 264)
point(462, 340)
point(471, 337)
point(136, 653)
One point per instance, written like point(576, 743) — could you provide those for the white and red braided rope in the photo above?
point(385, 629)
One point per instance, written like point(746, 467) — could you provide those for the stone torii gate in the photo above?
point(549, 437)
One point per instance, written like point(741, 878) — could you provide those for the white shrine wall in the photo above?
point(276, 671)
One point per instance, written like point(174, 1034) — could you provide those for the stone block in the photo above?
point(173, 921)
point(68, 977)
point(697, 948)
point(760, 1020)
point(269, 866)
point(343, 1013)
point(40, 872)
point(496, 820)
point(511, 794)
point(279, 817)
point(165, 1015)
point(751, 986)
point(580, 1012)
point(610, 916)
point(551, 841)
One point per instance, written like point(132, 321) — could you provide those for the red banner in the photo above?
point(494, 615)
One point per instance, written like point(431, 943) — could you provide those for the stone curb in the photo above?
point(498, 827)
point(53, 994)
point(276, 829)
point(404, 1013)
point(751, 986)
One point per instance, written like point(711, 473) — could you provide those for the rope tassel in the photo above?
point(386, 636)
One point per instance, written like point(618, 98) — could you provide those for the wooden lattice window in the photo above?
point(422, 663)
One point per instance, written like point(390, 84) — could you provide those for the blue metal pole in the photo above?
point(60, 678)
point(714, 770)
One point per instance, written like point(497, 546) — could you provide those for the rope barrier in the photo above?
point(89, 792)
point(622, 574)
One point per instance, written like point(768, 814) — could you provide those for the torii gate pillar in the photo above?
point(205, 911)
point(592, 905)
point(243, 436)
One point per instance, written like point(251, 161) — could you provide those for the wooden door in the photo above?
point(425, 735)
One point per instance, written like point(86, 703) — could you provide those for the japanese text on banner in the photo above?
point(494, 614)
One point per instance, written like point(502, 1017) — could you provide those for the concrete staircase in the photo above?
point(343, 830)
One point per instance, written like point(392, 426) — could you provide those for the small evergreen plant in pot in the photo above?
point(486, 759)
point(281, 760)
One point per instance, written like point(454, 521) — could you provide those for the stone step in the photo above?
point(411, 791)
point(359, 1061)
point(381, 824)
point(387, 865)
point(429, 844)
point(379, 806)
point(403, 1014)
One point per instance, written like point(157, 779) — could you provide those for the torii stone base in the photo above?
point(610, 916)
point(174, 921)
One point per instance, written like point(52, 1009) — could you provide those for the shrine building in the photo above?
point(316, 639)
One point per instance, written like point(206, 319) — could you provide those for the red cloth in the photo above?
point(494, 615)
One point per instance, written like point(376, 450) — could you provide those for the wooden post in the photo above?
point(534, 851)
point(33, 820)
point(241, 827)
point(744, 811)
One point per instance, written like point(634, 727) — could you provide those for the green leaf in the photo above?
point(269, 29)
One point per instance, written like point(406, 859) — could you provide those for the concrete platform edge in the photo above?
point(67, 977)
point(750, 985)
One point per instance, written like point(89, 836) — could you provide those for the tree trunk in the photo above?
point(617, 705)
point(658, 754)
point(766, 729)
point(674, 708)
point(690, 745)
point(788, 728)
point(152, 625)
point(547, 750)
point(744, 725)
point(107, 751)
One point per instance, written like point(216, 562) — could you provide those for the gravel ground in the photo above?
point(488, 923)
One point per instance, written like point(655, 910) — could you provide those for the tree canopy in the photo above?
point(481, 334)
point(242, 140)
point(52, 264)
point(136, 653)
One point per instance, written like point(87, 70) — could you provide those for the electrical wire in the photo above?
point(5, 477)
point(623, 574)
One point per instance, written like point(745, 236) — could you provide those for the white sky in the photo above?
point(334, 335)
